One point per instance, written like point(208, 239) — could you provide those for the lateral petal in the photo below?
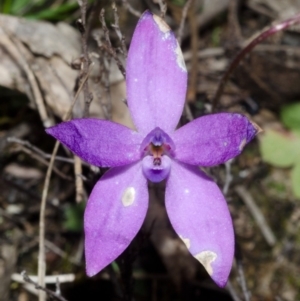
point(213, 139)
point(99, 142)
point(199, 214)
point(114, 214)
point(156, 76)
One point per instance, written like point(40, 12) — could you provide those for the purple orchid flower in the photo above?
point(156, 89)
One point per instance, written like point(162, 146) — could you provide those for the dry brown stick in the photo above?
point(116, 27)
point(228, 176)
point(182, 21)
point(108, 46)
point(78, 179)
point(163, 8)
point(51, 246)
point(41, 254)
point(42, 288)
point(44, 162)
point(16, 49)
point(242, 280)
point(187, 110)
point(233, 22)
point(232, 291)
point(257, 215)
point(194, 60)
point(88, 97)
point(247, 47)
point(131, 9)
point(35, 149)
point(84, 29)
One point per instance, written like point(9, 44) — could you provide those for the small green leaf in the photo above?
point(55, 13)
point(74, 217)
point(180, 3)
point(290, 116)
point(281, 149)
point(17, 6)
point(296, 179)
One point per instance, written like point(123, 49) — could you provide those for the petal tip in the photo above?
point(256, 127)
point(90, 272)
point(219, 282)
point(49, 131)
point(252, 131)
point(93, 264)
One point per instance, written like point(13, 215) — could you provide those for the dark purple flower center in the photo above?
point(156, 150)
point(157, 144)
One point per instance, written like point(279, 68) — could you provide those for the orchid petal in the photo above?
point(199, 214)
point(156, 76)
point(99, 142)
point(213, 139)
point(114, 214)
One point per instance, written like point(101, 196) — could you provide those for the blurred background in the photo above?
point(50, 51)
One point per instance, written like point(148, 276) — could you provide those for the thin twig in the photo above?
point(107, 45)
point(42, 288)
point(38, 158)
point(88, 97)
point(55, 249)
point(63, 278)
point(257, 215)
point(41, 254)
point(250, 45)
point(131, 9)
point(17, 50)
point(242, 280)
point(116, 27)
point(163, 8)
point(78, 179)
point(182, 21)
point(232, 291)
point(228, 176)
point(193, 80)
point(35, 149)
point(188, 112)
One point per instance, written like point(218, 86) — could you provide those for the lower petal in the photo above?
point(199, 214)
point(114, 214)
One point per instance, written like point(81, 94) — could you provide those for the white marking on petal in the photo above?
point(206, 258)
point(128, 196)
point(225, 143)
point(179, 58)
point(186, 191)
point(163, 26)
point(186, 241)
point(243, 143)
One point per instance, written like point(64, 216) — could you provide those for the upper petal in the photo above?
point(114, 214)
point(199, 214)
point(213, 139)
point(99, 142)
point(156, 76)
